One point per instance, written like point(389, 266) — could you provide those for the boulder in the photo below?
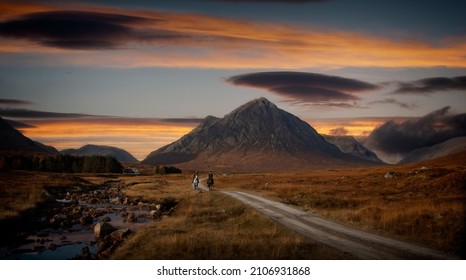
point(154, 214)
point(86, 220)
point(131, 218)
point(106, 219)
point(120, 234)
point(103, 229)
point(115, 200)
point(57, 219)
point(390, 174)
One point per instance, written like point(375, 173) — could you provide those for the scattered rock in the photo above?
point(86, 252)
point(86, 220)
point(103, 229)
point(154, 214)
point(57, 219)
point(115, 200)
point(390, 174)
point(131, 218)
point(120, 234)
point(39, 248)
point(106, 219)
point(53, 246)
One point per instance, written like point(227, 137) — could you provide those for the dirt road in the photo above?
point(361, 245)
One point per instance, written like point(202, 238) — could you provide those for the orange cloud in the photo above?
point(137, 138)
point(142, 136)
point(203, 41)
point(358, 127)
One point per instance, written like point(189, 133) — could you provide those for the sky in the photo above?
point(140, 74)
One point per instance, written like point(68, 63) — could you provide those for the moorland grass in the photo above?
point(421, 204)
point(211, 225)
point(424, 204)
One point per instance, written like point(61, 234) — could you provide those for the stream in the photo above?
point(69, 226)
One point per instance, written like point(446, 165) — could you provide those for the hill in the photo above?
point(449, 147)
point(257, 136)
point(90, 150)
point(11, 140)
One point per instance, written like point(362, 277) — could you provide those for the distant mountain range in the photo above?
point(257, 136)
point(12, 140)
point(449, 147)
point(90, 150)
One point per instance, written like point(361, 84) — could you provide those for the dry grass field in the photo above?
point(423, 203)
point(210, 225)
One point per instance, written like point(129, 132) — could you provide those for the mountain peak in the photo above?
point(261, 102)
point(256, 136)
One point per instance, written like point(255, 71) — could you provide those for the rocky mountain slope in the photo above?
point(349, 145)
point(257, 136)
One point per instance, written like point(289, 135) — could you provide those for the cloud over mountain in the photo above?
point(394, 102)
point(401, 137)
point(431, 85)
point(304, 87)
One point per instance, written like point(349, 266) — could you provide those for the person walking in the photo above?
point(210, 181)
point(195, 181)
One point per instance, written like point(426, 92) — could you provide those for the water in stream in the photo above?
point(67, 230)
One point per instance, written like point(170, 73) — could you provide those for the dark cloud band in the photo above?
point(23, 113)
point(14, 102)
point(395, 102)
point(430, 85)
point(51, 117)
point(18, 125)
point(83, 30)
point(304, 87)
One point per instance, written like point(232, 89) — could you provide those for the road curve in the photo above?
point(359, 244)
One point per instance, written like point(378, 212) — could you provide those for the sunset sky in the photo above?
point(140, 74)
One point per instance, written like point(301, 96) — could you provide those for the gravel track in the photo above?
point(359, 244)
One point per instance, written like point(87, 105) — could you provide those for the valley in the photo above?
point(422, 204)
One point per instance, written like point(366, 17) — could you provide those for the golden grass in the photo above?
point(210, 225)
point(424, 206)
point(22, 191)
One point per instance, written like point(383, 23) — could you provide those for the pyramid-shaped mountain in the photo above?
point(11, 140)
point(257, 136)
